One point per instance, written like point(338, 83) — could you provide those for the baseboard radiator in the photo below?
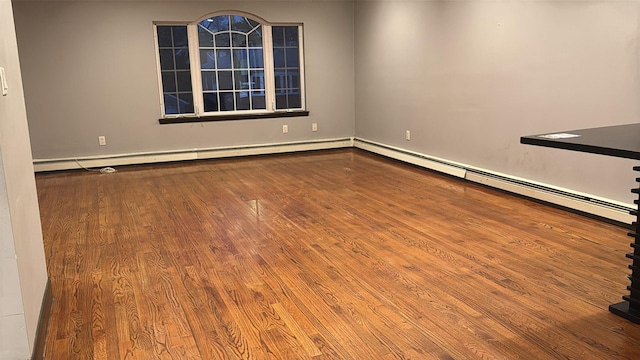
point(605, 208)
point(600, 207)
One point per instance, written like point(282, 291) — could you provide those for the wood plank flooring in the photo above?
point(323, 255)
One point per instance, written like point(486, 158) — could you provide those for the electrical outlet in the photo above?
point(408, 135)
point(102, 140)
point(285, 129)
point(314, 127)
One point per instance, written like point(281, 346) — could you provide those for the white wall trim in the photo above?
point(411, 157)
point(99, 161)
point(591, 204)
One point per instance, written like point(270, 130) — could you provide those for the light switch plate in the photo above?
point(3, 82)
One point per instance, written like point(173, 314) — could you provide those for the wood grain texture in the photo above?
point(323, 255)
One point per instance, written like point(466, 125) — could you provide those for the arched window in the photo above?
point(229, 64)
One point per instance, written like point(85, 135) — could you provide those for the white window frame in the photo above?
point(196, 75)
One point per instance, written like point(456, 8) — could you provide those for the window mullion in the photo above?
point(267, 48)
point(196, 77)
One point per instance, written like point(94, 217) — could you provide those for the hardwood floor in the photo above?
point(323, 255)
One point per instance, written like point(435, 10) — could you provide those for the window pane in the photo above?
point(255, 37)
point(223, 40)
point(184, 81)
point(240, 59)
point(292, 57)
point(256, 59)
point(258, 100)
point(253, 23)
point(185, 103)
point(210, 101)
point(207, 59)
point(164, 36)
point(242, 101)
point(180, 36)
point(257, 79)
point(225, 80)
point(209, 80)
point(278, 57)
point(168, 81)
point(294, 99)
point(226, 101)
point(241, 80)
point(166, 60)
point(216, 24)
point(280, 77)
point(293, 77)
point(278, 35)
point(281, 101)
point(242, 24)
point(170, 104)
point(205, 38)
point(238, 40)
point(224, 59)
point(182, 58)
point(291, 35)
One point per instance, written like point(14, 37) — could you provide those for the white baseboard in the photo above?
point(187, 154)
point(411, 157)
point(590, 204)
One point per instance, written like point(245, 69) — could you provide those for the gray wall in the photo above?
point(90, 69)
point(468, 78)
point(23, 274)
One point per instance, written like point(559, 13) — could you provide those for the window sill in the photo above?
point(192, 119)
